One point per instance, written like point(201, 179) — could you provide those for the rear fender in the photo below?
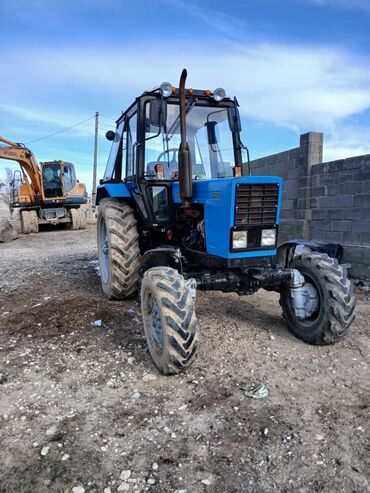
point(286, 251)
point(113, 190)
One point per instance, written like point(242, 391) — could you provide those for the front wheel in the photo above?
point(170, 324)
point(29, 222)
point(330, 295)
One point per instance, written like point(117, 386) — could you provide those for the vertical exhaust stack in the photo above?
point(185, 171)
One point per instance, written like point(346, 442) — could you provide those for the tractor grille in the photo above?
point(256, 204)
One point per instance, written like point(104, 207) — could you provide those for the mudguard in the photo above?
point(114, 190)
point(287, 250)
point(161, 257)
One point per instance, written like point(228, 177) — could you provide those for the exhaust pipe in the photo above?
point(185, 171)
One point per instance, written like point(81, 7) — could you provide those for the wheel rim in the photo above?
point(104, 251)
point(310, 321)
point(153, 322)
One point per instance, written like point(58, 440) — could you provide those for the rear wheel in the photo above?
point(118, 249)
point(29, 222)
point(170, 324)
point(334, 312)
point(82, 213)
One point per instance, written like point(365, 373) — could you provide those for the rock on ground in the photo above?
point(7, 231)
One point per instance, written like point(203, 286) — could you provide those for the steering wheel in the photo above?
point(167, 151)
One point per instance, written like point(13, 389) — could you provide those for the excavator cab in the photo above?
point(52, 179)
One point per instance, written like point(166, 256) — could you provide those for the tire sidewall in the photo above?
point(103, 219)
point(148, 286)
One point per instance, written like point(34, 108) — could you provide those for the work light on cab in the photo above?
point(219, 94)
point(166, 89)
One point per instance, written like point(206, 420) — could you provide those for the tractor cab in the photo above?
point(180, 157)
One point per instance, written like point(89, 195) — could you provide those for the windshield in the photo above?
point(208, 135)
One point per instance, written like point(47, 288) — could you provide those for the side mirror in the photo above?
point(234, 119)
point(158, 113)
point(110, 135)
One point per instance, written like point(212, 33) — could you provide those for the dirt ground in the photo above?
point(82, 408)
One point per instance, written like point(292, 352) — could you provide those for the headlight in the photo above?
point(268, 237)
point(239, 239)
point(166, 89)
point(219, 94)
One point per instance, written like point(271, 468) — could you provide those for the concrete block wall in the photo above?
point(340, 204)
point(325, 202)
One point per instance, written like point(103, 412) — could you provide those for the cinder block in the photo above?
point(318, 169)
point(362, 200)
point(288, 215)
point(334, 213)
point(321, 225)
point(335, 166)
point(359, 254)
point(291, 164)
point(292, 174)
point(363, 173)
point(354, 162)
point(315, 180)
point(343, 176)
point(326, 179)
point(365, 238)
point(334, 237)
point(320, 214)
point(360, 271)
point(353, 213)
point(336, 189)
point(318, 235)
point(318, 191)
point(343, 200)
point(361, 226)
point(304, 203)
point(326, 202)
point(352, 238)
point(287, 204)
point(341, 226)
point(353, 187)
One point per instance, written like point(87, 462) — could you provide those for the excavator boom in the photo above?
point(27, 161)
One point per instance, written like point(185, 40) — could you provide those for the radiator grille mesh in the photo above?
point(256, 204)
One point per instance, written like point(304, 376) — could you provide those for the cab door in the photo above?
point(52, 180)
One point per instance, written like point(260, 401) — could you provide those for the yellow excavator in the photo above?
point(45, 193)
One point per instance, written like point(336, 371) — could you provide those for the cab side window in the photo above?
point(68, 176)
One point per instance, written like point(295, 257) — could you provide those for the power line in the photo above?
point(60, 131)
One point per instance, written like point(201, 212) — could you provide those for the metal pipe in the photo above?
point(185, 171)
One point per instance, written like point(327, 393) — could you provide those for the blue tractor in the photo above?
point(177, 213)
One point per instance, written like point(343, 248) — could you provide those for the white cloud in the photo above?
point(288, 85)
point(345, 141)
point(300, 87)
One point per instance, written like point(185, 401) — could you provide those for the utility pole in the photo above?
point(95, 165)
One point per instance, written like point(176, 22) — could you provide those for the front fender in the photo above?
point(165, 256)
point(287, 250)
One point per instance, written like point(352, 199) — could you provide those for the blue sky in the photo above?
point(294, 65)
